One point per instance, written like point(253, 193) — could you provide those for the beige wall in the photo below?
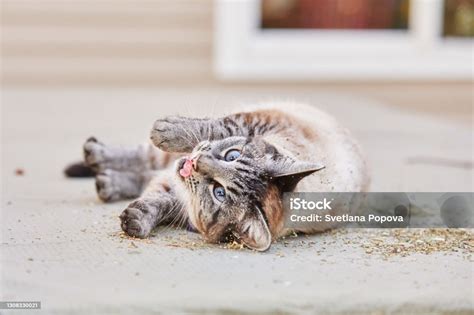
point(106, 41)
point(162, 43)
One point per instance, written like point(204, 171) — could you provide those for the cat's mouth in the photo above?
point(187, 165)
point(185, 171)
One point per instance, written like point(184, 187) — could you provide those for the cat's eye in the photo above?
point(219, 192)
point(232, 155)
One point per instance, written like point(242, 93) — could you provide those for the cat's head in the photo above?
point(234, 188)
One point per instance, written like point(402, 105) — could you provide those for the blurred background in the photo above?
point(457, 15)
point(61, 43)
point(366, 14)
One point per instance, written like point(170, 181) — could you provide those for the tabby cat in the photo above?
point(225, 177)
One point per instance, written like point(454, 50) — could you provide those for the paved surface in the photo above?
point(63, 247)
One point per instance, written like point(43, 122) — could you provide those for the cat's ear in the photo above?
point(286, 173)
point(253, 231)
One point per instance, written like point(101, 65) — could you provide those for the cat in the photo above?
point(225, 177)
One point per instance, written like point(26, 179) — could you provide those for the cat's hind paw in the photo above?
point(94, 154)
point(112, 185)
point(105, 187)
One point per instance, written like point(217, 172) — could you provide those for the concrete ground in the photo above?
point(61, 246)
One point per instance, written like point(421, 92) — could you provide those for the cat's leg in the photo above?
point(181, 134)
point(123, 172)
point(158, 205)
point(112, 185)
point(141, 158)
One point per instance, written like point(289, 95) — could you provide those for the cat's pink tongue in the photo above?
point(187, 168)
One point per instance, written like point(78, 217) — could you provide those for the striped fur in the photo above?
point(281, 147)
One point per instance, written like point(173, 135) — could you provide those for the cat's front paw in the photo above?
point(172, 135)
point(136, 220)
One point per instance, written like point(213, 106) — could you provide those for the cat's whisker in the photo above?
point(169, 226)
point(190, 136)
point(191, 129)
point(183, 217)
point(195, 136)
point(209, 130)
point(213, 107)
point(179, 208)
point(175, 208)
